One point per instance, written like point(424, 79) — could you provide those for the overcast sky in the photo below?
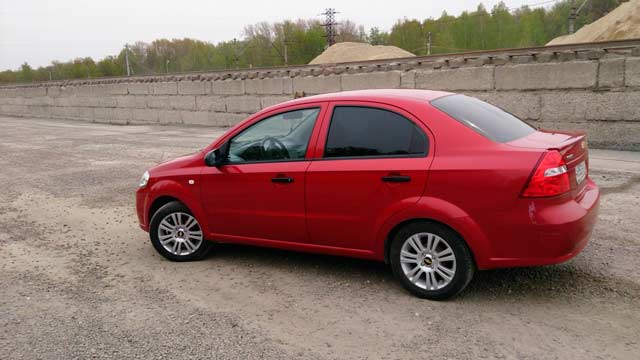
point(39, 31)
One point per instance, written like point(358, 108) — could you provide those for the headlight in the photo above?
point(144, 180)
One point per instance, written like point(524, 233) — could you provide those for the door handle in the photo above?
point(396, 178)
point(282, 179)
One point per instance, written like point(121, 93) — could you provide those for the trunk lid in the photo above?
point(571, 145)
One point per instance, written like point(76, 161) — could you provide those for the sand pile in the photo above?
point(621, 23)
point(351, 51)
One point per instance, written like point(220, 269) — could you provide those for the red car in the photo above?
point(435, 184)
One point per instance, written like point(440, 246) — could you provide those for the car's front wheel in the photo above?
point(176, 234)
point(431, 260)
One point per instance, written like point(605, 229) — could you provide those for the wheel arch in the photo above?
point(165, 191)
point(399, 226)
point(440, 212)
point(160, 202)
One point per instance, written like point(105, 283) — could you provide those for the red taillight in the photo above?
point(550, 177)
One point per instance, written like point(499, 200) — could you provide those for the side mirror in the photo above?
point(216, 157)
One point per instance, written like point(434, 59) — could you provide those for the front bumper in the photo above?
point(142, 199)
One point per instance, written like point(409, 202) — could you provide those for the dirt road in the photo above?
point(79, 279)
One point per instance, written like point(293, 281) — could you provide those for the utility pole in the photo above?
point(284, 46)
point(236, 57)
point(126, 57)
point(330, 25)
point(429, 43)
point(573, 15)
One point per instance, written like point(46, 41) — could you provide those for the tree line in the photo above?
point(298, 42)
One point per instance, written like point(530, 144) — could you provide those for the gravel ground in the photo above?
point(79, 279)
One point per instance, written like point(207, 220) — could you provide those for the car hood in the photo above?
point(180, 162)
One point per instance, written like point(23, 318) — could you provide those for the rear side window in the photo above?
point(366, 132)
point(486, 119)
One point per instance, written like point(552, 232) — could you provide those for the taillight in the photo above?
point(550, 177)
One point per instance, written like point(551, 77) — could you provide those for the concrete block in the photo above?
point(621, 136)
point(522, 59)
point(158, 102)
point(194, 87)
point(145, 116)
point(131, 101)
point(374, 80)
point(567, 75)
point(94, 90)
point(228, 87)
point(93, 101)
point(472, 78)
point(121, 115)
point(267, 101)
point(525, 105)
point(264, 86)
point(544, 56)
point(317, 84)
point(614, 106)
point(183, 102)
point(611, 73)
point(210, 103)
point(565, 106)
point(243, 104)
point(408, 80)
point(198, 118)
point(164, 88)
point(102, 114)
point(138, 88)
point(180, 102)
point(566, 55)
point(82, 113)
point(53, 91)
point(116, 89)
point(632, 72)
point(287, 85)
point(170, 116)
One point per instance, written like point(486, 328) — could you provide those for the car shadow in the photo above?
point(546, 282)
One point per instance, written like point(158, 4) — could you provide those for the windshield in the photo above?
point(486, 119)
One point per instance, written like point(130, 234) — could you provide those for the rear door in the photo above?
point(371, 161)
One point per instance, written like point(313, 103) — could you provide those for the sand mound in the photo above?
point(351, 51)
point(622, 23)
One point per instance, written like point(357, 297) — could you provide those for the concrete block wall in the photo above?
point(594, 89)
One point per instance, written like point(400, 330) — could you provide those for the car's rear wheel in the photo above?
point(176, 234)
point(431, 260)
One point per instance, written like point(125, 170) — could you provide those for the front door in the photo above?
point(374, 163)
point(258, 194)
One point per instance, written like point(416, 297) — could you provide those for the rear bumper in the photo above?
point(550, 234)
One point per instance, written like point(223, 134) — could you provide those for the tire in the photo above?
point(176, 234)
point(431, 261)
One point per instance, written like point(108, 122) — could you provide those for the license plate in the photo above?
point(581, 172)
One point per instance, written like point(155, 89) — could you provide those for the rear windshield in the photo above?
point(488, 120)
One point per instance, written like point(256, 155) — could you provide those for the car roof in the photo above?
point(376, 95)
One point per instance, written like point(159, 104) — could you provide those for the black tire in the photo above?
point(168, 209)
point(464, 264)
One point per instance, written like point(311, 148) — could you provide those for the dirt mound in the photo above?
point(622, 23)
point(351, 51)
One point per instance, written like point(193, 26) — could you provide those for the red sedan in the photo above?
point(435, 184)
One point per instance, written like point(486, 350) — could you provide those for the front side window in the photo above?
point(277, 138)
point(370, 132)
